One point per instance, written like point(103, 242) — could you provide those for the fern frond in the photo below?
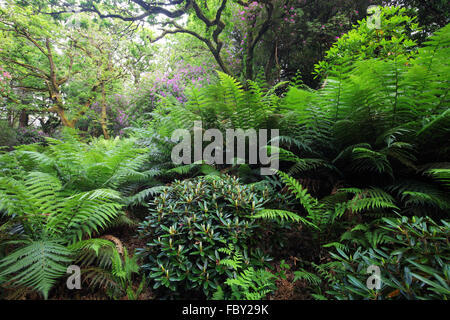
point(308, 276)
point(282, 215)
point(442, 175)
point(38, 264)
point(141, 196)
point(306, 200)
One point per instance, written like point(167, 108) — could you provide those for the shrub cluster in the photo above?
point(412, 255)
point(189, 222)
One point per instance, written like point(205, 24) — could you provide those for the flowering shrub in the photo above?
point(5, 76)
point(121, 119)
point(117, 116)
point(30, 135)
point(159, 85)
point(164, 84)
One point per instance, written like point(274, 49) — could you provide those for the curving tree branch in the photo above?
point(171, 9)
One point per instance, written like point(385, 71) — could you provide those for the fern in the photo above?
point(251, 284)
point(281, 215)
point(369, 200)
point(235, 260)
point(309, 277)
point(93, 252)
point(219, 294)
point(442, 175)
point(52, 219)
point(100, 164)
point(370, 160)
point(140, 197)
point(38, 264)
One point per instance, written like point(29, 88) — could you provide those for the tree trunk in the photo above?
point(59, 110)
point(103, 119)
point(23, 120)
point(137, 78)
point(269, 68)
point(249, 58)
point(62, 115)
point(10, 118)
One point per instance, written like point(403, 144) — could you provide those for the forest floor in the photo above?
point(299, 246)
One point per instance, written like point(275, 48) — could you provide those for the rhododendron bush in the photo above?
point(5, 78)
point(162, 84)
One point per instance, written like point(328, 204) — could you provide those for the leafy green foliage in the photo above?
point(118, 164)
point(222, 105)
point(188, 224)
point(393, 36)
point(246, 283)
point(107, 265)
point(37, 264)
point(367, 147)
point(251, 284)
point(9, 135)
point(377, 124)
point(86, 166)
point(57, 196)
point(412, 254)
point(50, 218)
point(122, 272)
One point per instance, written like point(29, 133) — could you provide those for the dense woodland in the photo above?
point(92, 91)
